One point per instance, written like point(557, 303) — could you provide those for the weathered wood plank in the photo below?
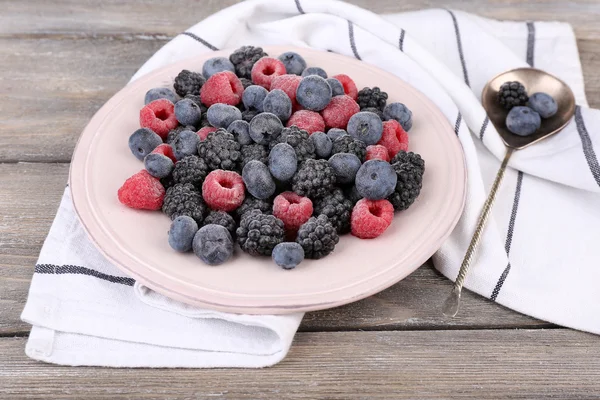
point(28, 201)
point(487, 364)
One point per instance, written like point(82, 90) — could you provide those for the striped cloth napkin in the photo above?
point(537, 255)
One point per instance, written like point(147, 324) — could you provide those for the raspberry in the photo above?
point(370, 218)
point(203, 133)
point(165, 150)
point(394, 138)
point(223, 87)
point(159, 116)
point(377, 152)
point(223, 190)
point(348, 84)
point(142, 191)
point(289, 84)
point(338, 111)
point(309, 121)
point(265, 70)
point(293, 209)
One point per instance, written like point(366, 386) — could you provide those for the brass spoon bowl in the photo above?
point(534, 81)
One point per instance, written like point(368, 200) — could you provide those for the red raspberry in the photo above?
point(338, 111)
point(377, 152)
point(348, 84)
point(292, 209)
point(142, 191)
point(394, 137)
point(203, 132)
point(288, 83)
point(370, 218)
point(223, 190)
point(222, 87)
point(310, 121)
point(159, 116)
point(165, 150)
point(265, 70)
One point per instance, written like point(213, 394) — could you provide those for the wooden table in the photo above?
point(62, 59)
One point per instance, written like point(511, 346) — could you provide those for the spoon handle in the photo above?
point(452, 303)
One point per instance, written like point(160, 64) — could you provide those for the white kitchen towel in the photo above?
point(546, 219)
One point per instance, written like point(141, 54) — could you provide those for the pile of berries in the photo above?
point(272, 155)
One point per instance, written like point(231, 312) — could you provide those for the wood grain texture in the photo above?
point(411, 304)
point(509, 364)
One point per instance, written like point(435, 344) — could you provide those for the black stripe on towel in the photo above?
point(352, 42)
point(299, 7)
point(588, 147)
point(530, 43)
point(76, 270)
point(486, 121)
point(509, 236)
point(401, 40)
point(457, 124)
point(460, 48)
point(199, 39)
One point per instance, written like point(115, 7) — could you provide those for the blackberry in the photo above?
point(184, 199)
point(221, 218)
point(252, 203)
point(220, 150)
point(314, 179)
point(409, 168)
point(167, 181)
point(258, 233)
point(374, 110)
point(173, 133)
point(196, 99)
point(246, 82)
point(512, 94)
point(244, 58)
point(247, 115)
point(190, 169)
point(317, 237)
point(349, 144)
point(299, 140)
point(337, 208)
point(374, 98)
point(188, 82)
point(254, 152)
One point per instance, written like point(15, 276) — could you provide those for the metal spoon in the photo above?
point(534, 81)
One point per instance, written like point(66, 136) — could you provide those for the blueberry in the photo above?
point(365, 126)
point(241, 130)
point(258, 179)
point(294, 63)
point(254, 96)
point(265, 127)
point(213, 244)
point(216, 64)
point(222, 115)
point(187, 112)
point(315, 71)
point(283, 162)
point(143, 141)
point(543, 104)
point(313, 93)
point(523, 121)
point(288, 254)
point(160, 93)
point(337, 89)
point(376, 180)
point(323, 144)
point(278, 103)
point(335, 133)
point(400, 113)
point(185, 144)
point(345, 166)
point(158, 165)
point(181, 233)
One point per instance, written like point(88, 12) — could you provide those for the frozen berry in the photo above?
point(377, 152)
point(203, 133)
point(322, 143)
point(394, 138)
point(523, 121)
point(313, 93)
point(365, 126)
point(258, 233)
point(222, 87)
point(309, 121)
point(159, 116)
point(244, 59)
point(349, 144)
point(543, 104)
point(248, 114)
point(512, 94)
point(376, 180)
point(345, 166)
point(314, 179)
point(181, 233)
point(288, 255)
point(191, 169)
point(188, 82)
point(315, 71)
point(222, 115)
point(160, 93)
point(221, 218)
point(223, 190)
point(348, 84)
point(142, 191)
point(258, 179)
point(294, 63)
point(283, 162)
point(254, 96)
point(186, 144)
point(220, 150)
point(158, 165)
point(278, 103)
point(338, 112)
point(335, 133)
point(143, 141)
point(265, 127)
point(173, 133)
point(370, 218)
point(292, 209)
point(336, 87)
point(188, 113)
point(317, 237)
point(240, 129)
point(372, 98)
point(289, 84)
point(265, 70)
point(400, 113)
point(213, 244)
point(215, 65)
point(184, 199)
point(165, 150)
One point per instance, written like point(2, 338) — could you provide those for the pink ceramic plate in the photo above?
point(136, 241)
